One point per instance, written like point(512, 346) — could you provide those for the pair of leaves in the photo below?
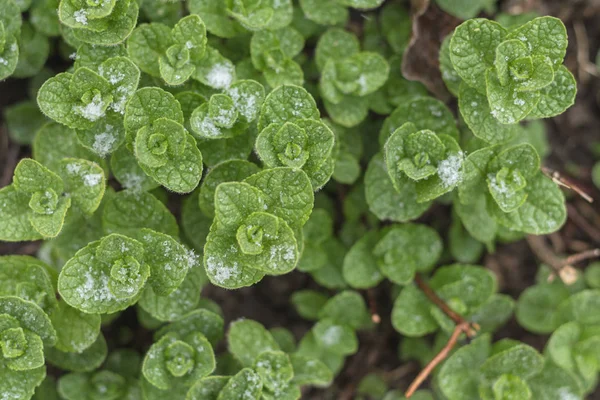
point(10, 25)
point(108, 275)
point(35, 204)
point(24, 330)
point(464, 287)
point(255, 225)
point(104, 23)
point(164, 149)
point(433, 161)
point(84, 98)
point(508, 369)
point(518, 74)
point(348, 76)
point(291, 135)
point(228, 18)
point(334, 12)
point(273, 51)
point(228, 114)
point(518, 195)
point(397, 252)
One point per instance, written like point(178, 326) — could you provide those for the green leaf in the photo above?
point(91, 56)
point(552, 383)
point(459, 376)
point(53, 142)
point(34, 48)
point(105, 137)
point(200, 320)
point(543, 36)
point(105, 384)
point(451, 78)
point(14, 216)
point(20, 384)
point(335, 337)
point(84, 182)
point(176, 304)
point(85, 361)
point(384, 200)
point(538, 305)
point(308, 303)
point(284, 338)
point(77, 100)
point(406, 249)
point(360, 264)
point(557, 96)
point(508, 105)
point(146, 44)
point(424, 113)
point(521, 360)
point(176, 361)
point(128, 172)
point(114, 28)
point(171, 159)
point(10, 55)
point(23, 121)
point(228, 171)
point(288, 194)
point(28, 316)
point(476, 112)
point(215, 15)
point(473, 50)
point(248, 339)
point(105, 276)
point(542, 213)
point(30, 279)
point(348, 308)
point(511, 387)
point(472, 284)
point(308, 347)
point(275, 370)
point(246, 384)
point(411, 314)
point(310, 371)
point(128, 211)
point(287, 103)
point(214, 70)
point(207, 388)
point(270, 49)
point(305, 144)
point(327, 12)
point(75, 330)
point(148, 105)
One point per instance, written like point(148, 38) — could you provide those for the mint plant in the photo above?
point(180, 167)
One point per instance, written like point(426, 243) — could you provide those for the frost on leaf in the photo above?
point(105, 276)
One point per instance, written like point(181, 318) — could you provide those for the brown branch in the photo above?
point(582, 223)
point(566, 182)
point(373, 306)
point(441, 356)
point(435, 299)
point(585, 66)
point(562, 267)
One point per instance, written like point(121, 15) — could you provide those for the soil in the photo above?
point(575, 141)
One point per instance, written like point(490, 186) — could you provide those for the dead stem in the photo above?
point(566, 182)
point(562, 267)
point(435, 299)
point(458, 330)
point(373, 306)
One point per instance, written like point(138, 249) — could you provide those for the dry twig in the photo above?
point(462, 326)
point(441, 356)
point(562, 267)
point(566, 182)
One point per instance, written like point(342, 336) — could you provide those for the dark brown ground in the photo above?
point(572, 135)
